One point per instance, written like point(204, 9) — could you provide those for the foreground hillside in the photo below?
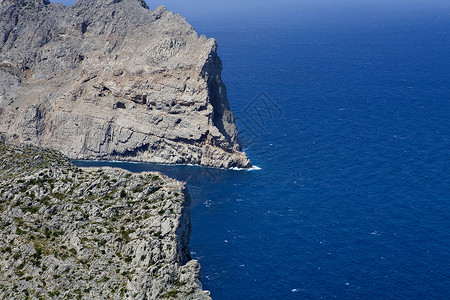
point(91, 234)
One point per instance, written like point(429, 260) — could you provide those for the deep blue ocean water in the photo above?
point(348, 119)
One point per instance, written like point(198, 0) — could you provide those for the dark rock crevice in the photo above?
point(222, 116)
point(131, 153)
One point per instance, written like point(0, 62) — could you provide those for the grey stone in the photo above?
point(87, 233)
point(109, 79)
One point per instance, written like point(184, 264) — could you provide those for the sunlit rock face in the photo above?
point(109, 79)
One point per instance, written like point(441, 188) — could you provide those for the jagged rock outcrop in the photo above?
point(109, 79)
point(70, 233)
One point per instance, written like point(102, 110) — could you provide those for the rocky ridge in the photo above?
point(101, 233)
point(109, 79)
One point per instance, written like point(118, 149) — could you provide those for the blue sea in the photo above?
point(346, 112)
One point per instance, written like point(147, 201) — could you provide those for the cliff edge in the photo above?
point(109, 79)
point(70, 233)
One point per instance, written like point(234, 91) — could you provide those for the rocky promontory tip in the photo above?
point(71, 233)
point(112, 80)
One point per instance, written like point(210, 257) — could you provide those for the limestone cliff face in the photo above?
point(102, 233)
point(109, 79)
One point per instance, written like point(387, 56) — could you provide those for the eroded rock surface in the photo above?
point(70, 233)
point(109, 79)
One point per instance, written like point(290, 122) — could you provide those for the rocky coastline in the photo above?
point(104, 80)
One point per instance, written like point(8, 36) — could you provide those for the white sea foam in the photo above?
point(254, 168)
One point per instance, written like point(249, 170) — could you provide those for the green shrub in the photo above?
point(38, 254)
point(7, 249)
point(171, 294)
point(179, 283)
point(155, 189)
point(31, 209)
point(20, 231)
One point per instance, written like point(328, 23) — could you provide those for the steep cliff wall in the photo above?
point(91, 234)
point(109, 79)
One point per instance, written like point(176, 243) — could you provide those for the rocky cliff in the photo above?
point(109, 79)
point(69, 233)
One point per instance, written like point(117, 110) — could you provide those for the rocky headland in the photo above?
point(112, 80)
point(71, 233)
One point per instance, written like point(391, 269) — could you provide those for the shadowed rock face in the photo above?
point(109, 79)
